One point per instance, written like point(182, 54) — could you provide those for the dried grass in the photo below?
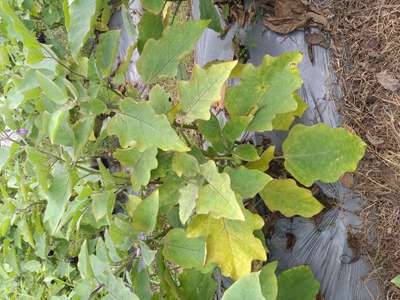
point(366, 38)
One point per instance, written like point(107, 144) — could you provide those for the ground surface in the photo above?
point(366, 37)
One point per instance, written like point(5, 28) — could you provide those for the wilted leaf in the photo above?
point(137, 124)
point(285, 196)
point(230, 243)
point(322, 153)
point(217, 197)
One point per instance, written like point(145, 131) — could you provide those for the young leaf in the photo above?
point(150, 27)
point(153, 6)
point(141, 163)
point(285, 196)
point(137, 124)
point(60, 131)
point(81, 16)
point(57, 199)
point(246, 152)
point(246, 288)
point(52, 91)
point(208, 11)
point(203, 89)
point(396, 281)
point(267, 89)
point(106, 51)
point(184, 251)
point(185, 164)
point(84, 263)
point(159, 100)
point(230, 243)
point(204, 287)
point(283, 121)
point(297, 283)
point(247, 182)
point(144, 218)
point(322, 153)
point(187, 201)
point(211, 130)
point(217, 197)
point(161, 58)
point(263, 163)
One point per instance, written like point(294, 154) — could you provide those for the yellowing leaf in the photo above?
point(184, 251)
point(247, 182)
point(266, 90)
point(285, 196)
point(217, 197)
point(203, 89)
point(322, 153)
point(160, 58)
point(137, 124)
point(263, 163)
point(141, 163)
point(230, 243)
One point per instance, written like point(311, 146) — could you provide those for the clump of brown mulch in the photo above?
point(366, 38)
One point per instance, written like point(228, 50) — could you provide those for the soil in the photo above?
point(366, 48)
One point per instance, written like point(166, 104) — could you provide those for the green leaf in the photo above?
point(141, 282)
point(208, 11)
point(184, 251)
point(102, 204)
point(185, 164)
point(211, 130)
point(150, 27)
point(57, 199)
point(187, 201)
point(147, 254)
point(60, 131)
point(297, 283)
point(322, 153)
point(246, 288)
point(141, 163)
point(106, 51)
point(263, 163)
point(283, 121)
point(81, 17)
point(396, 281)
point(52, 91)
point(144, 218)
point(137, 124)
point(285, 196)
point(266, 90)
point(235, 127)
point(203, 89)
point(268, 281)
point(161, 58)
point(153, 6)
point(83, 262)
point(4, 155)
point(26, 233)
point(169, 191)
point(203, 289)
point(216, 197)
point(246, 152)
point(159, 100)
point(230, 243)
point(82, 130)
point(247, 182)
